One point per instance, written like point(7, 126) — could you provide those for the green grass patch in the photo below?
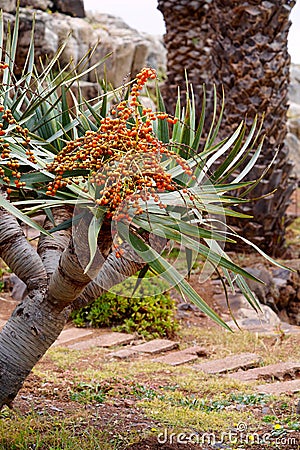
point(44, 431)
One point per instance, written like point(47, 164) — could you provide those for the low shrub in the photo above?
point(149, 312)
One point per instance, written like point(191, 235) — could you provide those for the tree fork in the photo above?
point(38, 320)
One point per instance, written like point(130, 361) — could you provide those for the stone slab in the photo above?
point(124, 353)
point(176, 358)
point(273, 371)
point(84, 345)
point(281, 387)
point(106, 340)
point(196, 350)
point(156, 346)
point(71, 334)
point(114, 338)
point(229, 364)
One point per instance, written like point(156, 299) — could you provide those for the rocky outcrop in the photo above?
point(74, 8)
point(8, 5)
point(128, 49)
point(279, 297)
point(281, 290)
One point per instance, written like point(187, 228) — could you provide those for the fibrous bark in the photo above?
point(241, 46)
point(188, 43)
point(251, 60)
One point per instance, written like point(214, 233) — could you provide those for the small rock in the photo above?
point(129, 403)
point(249, 319)
point(53, 408)
point(182, 315)
point(187, 307)
point(19, 288)
point(279, 282)
point(265, 410)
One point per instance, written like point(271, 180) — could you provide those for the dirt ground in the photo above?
point(92, 395)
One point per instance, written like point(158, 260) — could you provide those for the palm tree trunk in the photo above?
point(69, 279)
point(114, 271)
point(51, 247)
point(188, 43)
point(250, 59)
point(241, 46)
point(25, 338)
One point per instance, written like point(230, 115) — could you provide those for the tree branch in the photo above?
point(18, 254)
point(114, 271)
point(69, 278)
point(51, 247)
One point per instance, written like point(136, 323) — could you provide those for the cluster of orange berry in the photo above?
point(3, 66)
point(12, 163)
point(123, 158)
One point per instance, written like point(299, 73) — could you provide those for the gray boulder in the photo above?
point(44, 5)
point(124, 49)
point(8, 5)
point(74, 8)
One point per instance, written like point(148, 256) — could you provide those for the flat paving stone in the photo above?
point(104, 340)
point(84, 345)
point(229, 364)
point(156, 346)
point(182, 356)
point(114, 338)
point(281, 387)
point(176, 358)
point(124, 353)
point(277, 371)
point(71, 334)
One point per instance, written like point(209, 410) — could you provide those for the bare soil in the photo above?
point(47, 391)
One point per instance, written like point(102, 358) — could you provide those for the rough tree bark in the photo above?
point(188, 41)
point(54, 288)
point(39, 318)
point(250, 58)
point(241, 46)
